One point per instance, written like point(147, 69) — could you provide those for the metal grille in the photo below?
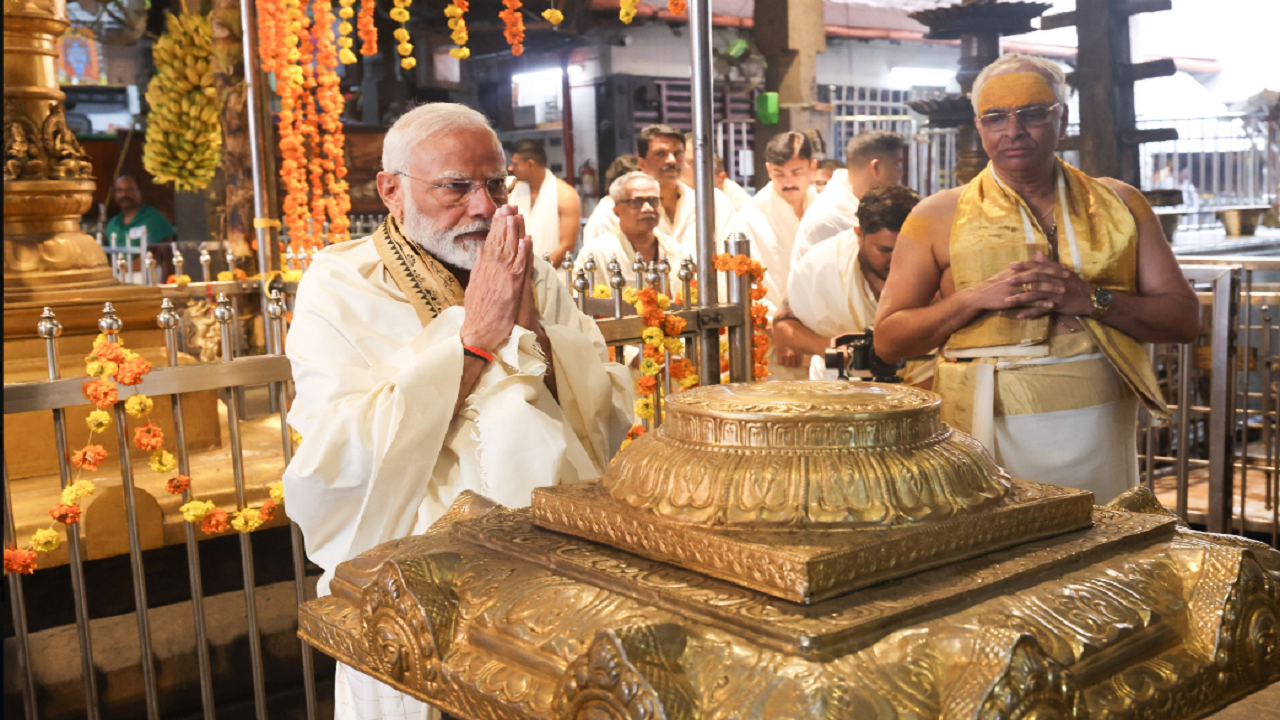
point(857, 109)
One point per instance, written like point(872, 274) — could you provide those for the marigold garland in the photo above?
point(128, 368)
point(366, 30)
point(659, 342)
point(743, 265)
point(677, 7)
point(345, 56)
point(513, 19)
point(553, 16)
point(627, 10)
point(458, 26)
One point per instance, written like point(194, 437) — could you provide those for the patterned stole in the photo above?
point(430, 287)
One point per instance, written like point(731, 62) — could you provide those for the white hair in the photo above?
point(1014, 62)
point(425, 122)
point(618, 190)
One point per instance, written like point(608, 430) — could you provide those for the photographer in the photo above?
point(836, 287)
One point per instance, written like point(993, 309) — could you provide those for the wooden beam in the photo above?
point(1135, 7)
point(1058, 20)
point(1134, 72)
point(1137, 137)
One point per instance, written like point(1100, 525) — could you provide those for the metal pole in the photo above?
point(1246, 342)
point(740, 365)
point(49, 329)
point(18, 604)
point(225, 315)
point(169, 321)
point(1222, 403)
point(257, 139)
point(110, 326)
point(275, 311)
point(1184, 425)
point(704, 172)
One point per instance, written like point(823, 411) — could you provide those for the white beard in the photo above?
point(442, 242)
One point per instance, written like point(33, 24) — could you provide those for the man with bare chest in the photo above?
point(1049, 283)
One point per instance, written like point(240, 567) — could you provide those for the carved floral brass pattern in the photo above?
point(1132, 618)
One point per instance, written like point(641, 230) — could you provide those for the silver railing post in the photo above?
point(178, 262)
point(1184, 427)
point(566, 265)
point(1222, 401)
point(582, 288)
point(740, 336)
point(149, 269)
point(110, 326)
point(224, 314)
point(254, 86)
point(275, 311)
point(616, 283)
point(49, 329)
point(168, 320)
point(205, 262)
point(18, 605)
point(704, 190)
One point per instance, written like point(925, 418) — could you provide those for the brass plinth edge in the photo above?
point(809, 566)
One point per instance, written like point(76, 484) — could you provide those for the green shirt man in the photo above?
point(127, 228)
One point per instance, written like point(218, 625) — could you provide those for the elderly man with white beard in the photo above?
point(437, 356)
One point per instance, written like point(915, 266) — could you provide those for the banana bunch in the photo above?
point(184, 129)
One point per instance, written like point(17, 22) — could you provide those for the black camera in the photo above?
point(856, 353)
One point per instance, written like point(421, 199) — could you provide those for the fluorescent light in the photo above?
point(916, 76)
point(576, 70)
point(538, 76)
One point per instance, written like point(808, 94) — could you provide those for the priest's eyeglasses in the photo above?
point(452, 193)
point(638, 203)
point(1035, 116)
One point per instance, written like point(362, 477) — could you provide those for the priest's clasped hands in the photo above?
point(1041, 286)
point(500, 291)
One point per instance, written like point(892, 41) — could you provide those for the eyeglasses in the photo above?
point(456, 192)
point(639, 202)
point(1035, 116)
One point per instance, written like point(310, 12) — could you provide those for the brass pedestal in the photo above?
point(488, 615)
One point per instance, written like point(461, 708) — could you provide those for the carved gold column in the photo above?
point(48, 181)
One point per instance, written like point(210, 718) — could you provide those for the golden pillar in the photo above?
point(48, 181)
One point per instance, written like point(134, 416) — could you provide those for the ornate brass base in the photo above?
point(495, 618)
point(806, 566)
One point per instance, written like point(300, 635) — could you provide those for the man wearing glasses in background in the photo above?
point(414, 348)
point(636, 202)
point(1049, 283)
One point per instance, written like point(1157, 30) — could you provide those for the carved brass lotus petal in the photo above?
point(806, 455)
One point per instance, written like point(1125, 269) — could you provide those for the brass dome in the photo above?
point(812, 455)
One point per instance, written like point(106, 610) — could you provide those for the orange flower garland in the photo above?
point(107, 361)
point(458, 26)
point(366, 30)
point(328, 95)
point(659, 342)
point(742, 265)
point(677, 7)
point(514, 21)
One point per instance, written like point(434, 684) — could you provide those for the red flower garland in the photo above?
point(514, 20)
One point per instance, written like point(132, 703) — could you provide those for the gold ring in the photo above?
point(1026, 287)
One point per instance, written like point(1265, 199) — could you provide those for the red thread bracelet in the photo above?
point(477, 353)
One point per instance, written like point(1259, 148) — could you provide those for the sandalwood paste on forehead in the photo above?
point(1014, 90)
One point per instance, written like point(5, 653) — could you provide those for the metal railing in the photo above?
point(1224, 401)
point(231, 374)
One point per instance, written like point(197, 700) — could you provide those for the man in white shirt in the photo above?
point(835, 289)
point(872, 159)
point(738, 196)
point(660, 149)
point(635, 202)
point(550, 206)
point(410, 391)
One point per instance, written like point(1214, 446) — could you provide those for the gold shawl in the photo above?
point(430, 287)
point(1097, 236)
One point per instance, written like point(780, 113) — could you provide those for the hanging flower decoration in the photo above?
point(458, 26)
point(742, 265)
point(513, 19)
point(330, 202)
point(400, 13)
point(345, 13)
point(366, 30)
point(129, 369)
point(627, 10)
point(677, 7)
point(553, 16)
point(661, 346)
point(635, 432)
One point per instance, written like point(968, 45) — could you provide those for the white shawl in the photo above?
point(542, 220)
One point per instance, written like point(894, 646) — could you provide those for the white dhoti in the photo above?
point(541, 217)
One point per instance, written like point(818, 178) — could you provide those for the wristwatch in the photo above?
point(1101, 303)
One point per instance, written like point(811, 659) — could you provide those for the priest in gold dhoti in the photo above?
point(438, 355)
point(1041, 284)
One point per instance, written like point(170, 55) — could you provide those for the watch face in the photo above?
point(1102, 296)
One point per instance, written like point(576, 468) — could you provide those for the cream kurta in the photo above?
point(683, 227)
point(383, 455)
point(541, 218)
point(830, 294)
point(834, 211)
point(737, 194)
point(770, 224)
point(615, 244)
